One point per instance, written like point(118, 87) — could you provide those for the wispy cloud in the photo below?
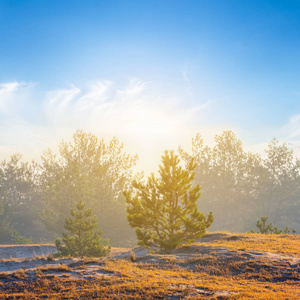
point(292, 129)
point(12, 95)
point(291, 132)
point(288, 133)
point(146, 120)
point(187, 81)
point(133, 112)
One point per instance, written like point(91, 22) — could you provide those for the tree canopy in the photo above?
point(164, 210)
point(238, 186)
point(83, 239)
point(88, 169)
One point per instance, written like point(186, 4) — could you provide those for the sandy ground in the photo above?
point(31, 258)
point(25, 251)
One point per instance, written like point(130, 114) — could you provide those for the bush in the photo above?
point(265, 228)
point(84, 239)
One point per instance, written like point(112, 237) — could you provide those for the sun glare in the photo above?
point(149, 128)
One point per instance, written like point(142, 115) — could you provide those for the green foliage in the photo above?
point(19, 239)
point(91, 170)
point(20, 201)
point(164, 210)
point(238, 186)
point(84, 240)
point(220, 171)
point(265, 228)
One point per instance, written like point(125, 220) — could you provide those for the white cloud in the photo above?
point(289, 134)
point(134, 113)
point(292, 129)
point(137, 113)
point(8, 94)
point(187, 81)
point(292, 133)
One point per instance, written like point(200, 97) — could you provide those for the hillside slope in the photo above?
point(218, 266)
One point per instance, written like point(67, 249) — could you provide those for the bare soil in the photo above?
point(198, 271)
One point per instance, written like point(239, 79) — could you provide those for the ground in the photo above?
point(218, 266)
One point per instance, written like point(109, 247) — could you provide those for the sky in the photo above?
point(151, 73)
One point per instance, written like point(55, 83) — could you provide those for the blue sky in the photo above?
point(152, 73)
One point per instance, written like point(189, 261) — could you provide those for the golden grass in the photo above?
point(26, 245)
point(56, 268)
point(169, 280)
point(117, 251)
point(134, 281)
point(210, 278)
point(286, 244)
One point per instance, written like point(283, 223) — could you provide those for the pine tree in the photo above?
point(261, 224)
point(164, 210)
point(84, 240)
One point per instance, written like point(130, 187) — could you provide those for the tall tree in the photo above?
point(93, 171)
point(164, 210)
point(280, 183)
point(6, 229)
point(220, 171)
point(239, 186)
point(20, 198)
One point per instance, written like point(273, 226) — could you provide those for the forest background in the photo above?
point(237, 186)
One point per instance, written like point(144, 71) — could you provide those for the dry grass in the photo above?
point(133, 281)
point(117, 251)
point(192, 277)
point(20, 274)
point(56, 268)
point(286, 244)
point(25, 245)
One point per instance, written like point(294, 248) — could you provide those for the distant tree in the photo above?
point(239, 186)
point(220, 172)
point(261, 224)
point(84, 240)
point(265, 228)
point(280, 184)
point(164, 210)
point(20, 201)
point(91, 170)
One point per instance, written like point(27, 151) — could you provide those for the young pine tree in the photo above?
point(261, 224)
point(164, 210)
point(84, 240)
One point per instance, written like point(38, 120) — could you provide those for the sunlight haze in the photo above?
point(152, 74)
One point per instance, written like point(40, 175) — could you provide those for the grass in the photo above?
point(133, 281)
point(117, 251)
point(56, 268)
point(287, 244)
point(190, 277)
point(26, 245)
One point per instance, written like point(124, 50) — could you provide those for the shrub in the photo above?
point(84, 239)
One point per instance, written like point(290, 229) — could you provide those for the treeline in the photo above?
point(36, 198)
point(237, 186)
point(240, 187)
